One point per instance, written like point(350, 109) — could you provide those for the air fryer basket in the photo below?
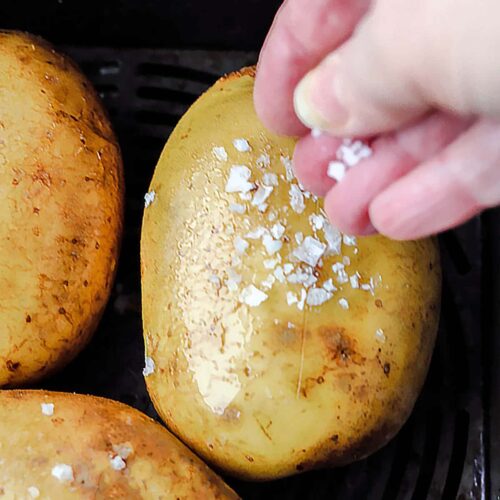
point(450, 447)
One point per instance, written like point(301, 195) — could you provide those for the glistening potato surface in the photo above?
point(66, 446)
point(275, 344)
point(61, 185)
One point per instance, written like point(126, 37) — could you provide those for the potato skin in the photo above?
point(268, 391)
point(85, 433)
point(61, 183)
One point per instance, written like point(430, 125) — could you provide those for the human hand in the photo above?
point(419, 78)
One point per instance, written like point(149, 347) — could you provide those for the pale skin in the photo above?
point(421, 79)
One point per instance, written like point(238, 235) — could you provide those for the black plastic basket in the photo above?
point(450, 447)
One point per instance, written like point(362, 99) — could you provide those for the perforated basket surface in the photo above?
point(442, 451)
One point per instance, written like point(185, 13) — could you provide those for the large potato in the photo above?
point(61, 186)
point(256, 359)
point(62, 446)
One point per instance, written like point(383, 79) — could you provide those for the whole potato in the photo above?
point(61, 185)
point(62, 446)
point(274, 343)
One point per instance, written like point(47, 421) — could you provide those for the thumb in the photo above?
point(405, 58)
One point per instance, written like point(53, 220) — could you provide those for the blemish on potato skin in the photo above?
point(28, 318)
point(12, 366)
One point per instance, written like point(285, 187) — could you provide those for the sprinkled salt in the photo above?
point(256, 233)
point(117, 462)
point(252, 296)
point(316, 132)
point(288, 268)
point(310, 251)
point(336, 170)
point(149, 366)
point(317, 221)
point(269, 179)
point(63, 472)
point(238, 181)
point(47, 409)
point(354, 279)
point(279, 275)
point(272, 216)
point(291, 298)
point(220, 153)
point(296, 199)
point(287, 163)
point(329, 286)
point(350, 241)
point(242, 145)
point(240, 245)
point(261, 195)
point(317, 296)
point(231, 285)
point(271, 245)
point(271, 263)
point(262, 207)
point(333, 238)
point(33, 492)
point(352, 152)
point(278, 230)
point(245, 196)
point(213, 278)
point(149, 198)
point(263, 161)
point(379, 335)
point(303, 295)
point(237, 208)
point(124, 450)
point(344, 304)
point(299, 238)
point(269, 281)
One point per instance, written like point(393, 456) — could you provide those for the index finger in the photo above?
point(302, 34)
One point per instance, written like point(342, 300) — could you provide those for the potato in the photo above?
point(275, 344)
point(61, 184)
point(61, 446)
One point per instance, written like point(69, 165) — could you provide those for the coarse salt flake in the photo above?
point(336, 170)
point(296, 199)
point(316, 132)
point(288, 268)
point(299, 237)
point(271, 263)
point(379, 335)
point(256, 233)
point(303, 295)
point(220, 153)
point(238, 181)
point(63, 472)
point(317, 296)
point(33, 492)
point(346, 260)
point(271, 245)
point(47, 409)
point(269, 179)
point(149, 367)
point(263, 161)
point(310, 251)
point(269, 281)
point(245, 196)
point(252, 296)
point(317, 221)
point(242, 145)
point(333, 239)
point(124, 450)
point(279, 275)
point(237, 208)
point(348, 240)
point(352, 152)
point(117, 462)
point(240, 245)
point(291, 298)
point(261, 195)
point(149, 198)
point(287, 163)
point(278, 230)
point(329, 286)
point(354, 280)
point(344, 304)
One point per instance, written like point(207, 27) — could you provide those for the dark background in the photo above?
point(217, 24)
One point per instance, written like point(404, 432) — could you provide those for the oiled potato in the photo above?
point(61, 189)
point(273, 346)
point(61, 446)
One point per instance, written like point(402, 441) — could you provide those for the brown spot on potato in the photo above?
point(249, 458)
point(62, 310)
point(85, 283)
point(320, 379)
point(378, 303)
point(28, 318)
point(300, 467)
point(335, 438)
point(387, 368)
point(36, 210)
point(341, 347)
point(12, 366)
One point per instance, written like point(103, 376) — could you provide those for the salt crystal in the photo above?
point(63, 472)
point(303, 295)
point(238, 181)
point(271, 245)
point(299, 238)
point(240, 245)
point(263, 161)
point(296, 199)
point(245, 196)
point(287, 163)
point(317, 296)
point(261, 195)
point(271, 263)
point(117, 462)
point(242, 145)
point(47, 409)
point(149, 198)
point(272, 216)
point(33, 492)
point(252, 296)
point(256, 233)
point(354, 279)
point(237, 208)
point(269, 179)
point(278, 230)
point(344, 304)
point(352, 152)
point(269, 281)
point(149, 367)
point(336, 170)
point(350, 241)
point(288, 268)
point(220, 153)
point(279, 275)
point(329, 286)
point(317, 221)
point(346, 260)
point(291, 298)
point(310, 251)
point(316, 132)
point(379, 335)
point(333, 238)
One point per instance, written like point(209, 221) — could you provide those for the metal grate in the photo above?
point(441, 451)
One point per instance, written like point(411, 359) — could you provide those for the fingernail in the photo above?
point(317, 102)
